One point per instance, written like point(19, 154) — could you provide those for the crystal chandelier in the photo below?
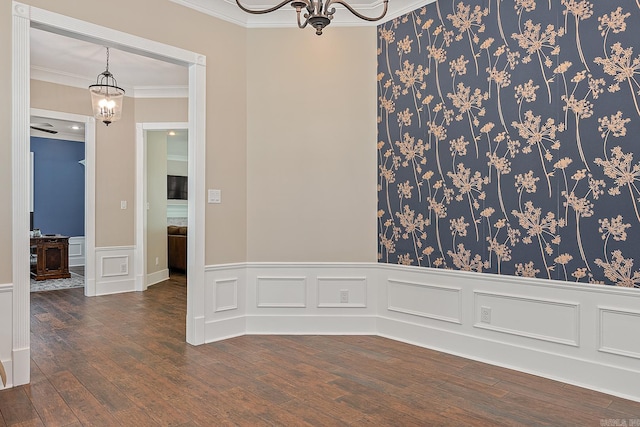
point(106, 97)
point(318, 13)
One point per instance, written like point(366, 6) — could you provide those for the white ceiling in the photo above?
point(74, 62)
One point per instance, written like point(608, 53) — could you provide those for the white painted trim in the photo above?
point(196, 231)
point(140, 256)
point(76, 260)
point(20, 88)
point(457, 319)
point(326, 280)
point(575, 342)
point(602, 311)
point(157, 277)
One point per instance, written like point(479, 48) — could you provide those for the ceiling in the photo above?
point(65, 60)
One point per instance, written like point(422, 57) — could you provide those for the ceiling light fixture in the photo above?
point(106, 97)
point(319, 13)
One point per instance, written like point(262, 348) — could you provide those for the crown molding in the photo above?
point(73, 80)
point(227, 10)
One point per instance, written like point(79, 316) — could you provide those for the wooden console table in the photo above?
point(52, 257)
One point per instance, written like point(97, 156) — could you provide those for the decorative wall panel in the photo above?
point(614, 336)
point(425, 300)
point(507, 139)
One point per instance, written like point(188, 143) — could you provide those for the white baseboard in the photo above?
point(311, 325)
point(157, 277)
point(19, 371)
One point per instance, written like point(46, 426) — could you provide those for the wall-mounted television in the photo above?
point(177, 187)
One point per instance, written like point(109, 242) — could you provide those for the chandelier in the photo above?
point(318, 13)
point(106, 97)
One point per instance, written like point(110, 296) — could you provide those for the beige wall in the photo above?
point(157, 198)
point(311, 145)
point(115, 160)
point(153, 110)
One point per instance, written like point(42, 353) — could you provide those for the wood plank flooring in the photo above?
point(121, 360)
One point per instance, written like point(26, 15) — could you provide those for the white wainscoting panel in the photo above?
point(619, 332)
point(6, 331)
point(226, 294)
point(76, 251)
point(225, 301)
point(425, 300)
point(331, 289)
point(114, 272)
point(523, 316)
point(575, 333)
point(281, 291)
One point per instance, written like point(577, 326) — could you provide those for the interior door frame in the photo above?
point(23, 18)
point(141, 197)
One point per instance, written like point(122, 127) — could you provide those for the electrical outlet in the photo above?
point(157, 261)
point(485, 314)
point(344, 296)
point(123, 268)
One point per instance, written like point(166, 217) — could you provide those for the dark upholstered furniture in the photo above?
point(177, 247)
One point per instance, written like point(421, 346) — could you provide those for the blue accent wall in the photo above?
point(58, 186)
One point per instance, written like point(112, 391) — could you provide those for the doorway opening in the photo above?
point(81, 243)
point(25, 17)
point(162, 196)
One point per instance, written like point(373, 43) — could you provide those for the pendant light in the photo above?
point(106, 97)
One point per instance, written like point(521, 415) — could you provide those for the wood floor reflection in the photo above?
point(122, 360)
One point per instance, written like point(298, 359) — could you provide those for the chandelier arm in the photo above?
point(269, 10)
point(359, 15)
point(306, 21)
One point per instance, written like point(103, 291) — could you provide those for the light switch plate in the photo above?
point(214, 196)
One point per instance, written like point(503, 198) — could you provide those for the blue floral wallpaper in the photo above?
point(509, 139)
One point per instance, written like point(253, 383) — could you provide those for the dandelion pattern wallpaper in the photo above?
point(509, 139)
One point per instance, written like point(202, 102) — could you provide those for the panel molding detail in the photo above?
point(557, 313)
point(226, 295)
point(114, 265)
point(329, 290)
point(114, 272)
point(403, 295)
point(282, 292)
point(617, 332)
point(76, 251)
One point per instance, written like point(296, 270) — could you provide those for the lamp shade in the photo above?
point(106, 101)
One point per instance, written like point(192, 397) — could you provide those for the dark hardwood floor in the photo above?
point(122, 360)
